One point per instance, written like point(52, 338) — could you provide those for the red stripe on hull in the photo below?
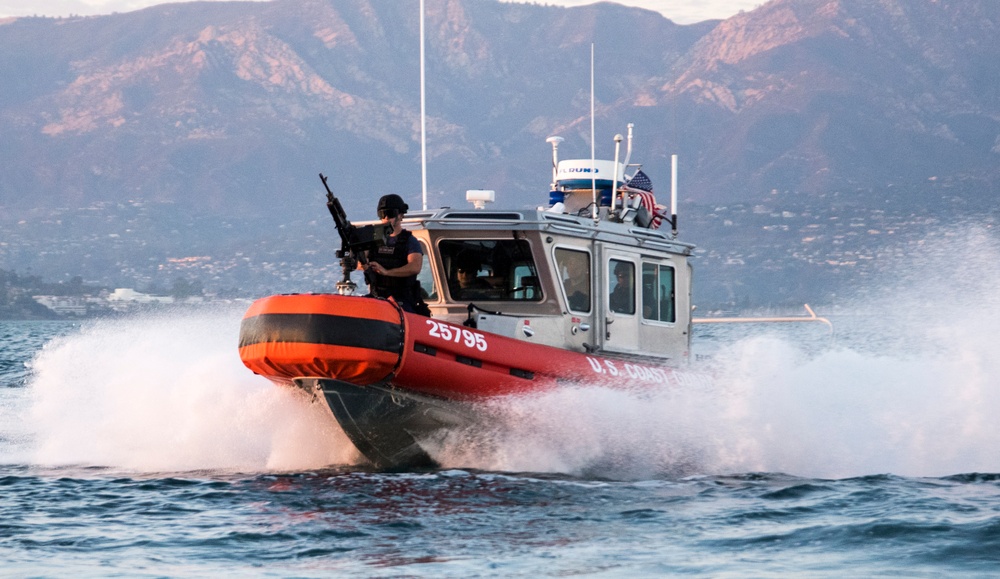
point(435, 358)
point(478, 364)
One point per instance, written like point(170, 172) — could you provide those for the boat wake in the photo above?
point(165, 393)
point(169, 394)
point(910, 391)
point(910, 387)
point(771, 408)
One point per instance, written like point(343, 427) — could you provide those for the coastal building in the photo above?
point(64, 305)
point(130, 296)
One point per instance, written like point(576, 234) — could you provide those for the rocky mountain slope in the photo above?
point(236, 106)
point(141, 141)
point(815, 95)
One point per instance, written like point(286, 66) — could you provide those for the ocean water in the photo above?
point(142, 447)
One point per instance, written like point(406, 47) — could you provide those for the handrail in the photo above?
point(812, 317)
point(563, 222)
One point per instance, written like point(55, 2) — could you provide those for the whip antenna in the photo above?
point(593, 162)
point(673, 193)
point(423, 114)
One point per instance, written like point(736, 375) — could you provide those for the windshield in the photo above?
point(490, 270)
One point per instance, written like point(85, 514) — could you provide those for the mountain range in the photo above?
point(230, 109)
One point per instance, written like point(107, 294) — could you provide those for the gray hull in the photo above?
point(390, 427)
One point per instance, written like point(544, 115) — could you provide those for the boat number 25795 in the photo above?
point(458, 335)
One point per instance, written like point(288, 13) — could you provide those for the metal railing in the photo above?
point(811, 318)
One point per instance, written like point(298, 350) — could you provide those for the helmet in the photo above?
point(392, 201)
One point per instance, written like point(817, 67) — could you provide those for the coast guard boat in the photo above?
point(588, 290)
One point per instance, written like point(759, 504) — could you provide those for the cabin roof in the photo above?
point(546, 221)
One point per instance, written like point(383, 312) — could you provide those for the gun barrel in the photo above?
point(355, 241)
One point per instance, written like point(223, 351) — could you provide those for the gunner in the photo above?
point(397, 263)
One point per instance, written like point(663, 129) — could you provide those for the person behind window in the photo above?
point(622, 296)
point(576, 279)
point(649, 300)
point(467, 282)
point(397, 263)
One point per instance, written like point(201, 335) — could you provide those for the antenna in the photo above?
point(673, 193)
point(554, 141)
point(593, 162)
point(423, 114)
point(614, 182)
point(628, 150)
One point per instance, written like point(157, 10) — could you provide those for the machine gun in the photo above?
point(354, 242)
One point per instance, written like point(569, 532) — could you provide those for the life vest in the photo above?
point(405, 290)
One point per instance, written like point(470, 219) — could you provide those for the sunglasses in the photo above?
point(390, 213)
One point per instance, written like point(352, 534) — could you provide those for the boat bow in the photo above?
point(360, 341)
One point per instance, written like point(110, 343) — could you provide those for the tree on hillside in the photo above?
point(183, 289)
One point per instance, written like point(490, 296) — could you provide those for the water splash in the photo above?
point(839, 414)
point(168, 392)
point(912, 387)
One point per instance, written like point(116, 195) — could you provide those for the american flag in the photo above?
point(640, 181)
point(640, 185)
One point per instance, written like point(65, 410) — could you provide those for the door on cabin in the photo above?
point(621, 302)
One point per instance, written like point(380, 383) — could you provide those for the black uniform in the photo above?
point(405, 290)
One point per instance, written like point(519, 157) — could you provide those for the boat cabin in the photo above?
point(560, 279)
point(592, 272)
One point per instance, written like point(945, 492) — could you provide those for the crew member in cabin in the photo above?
point(575, 266)
point(468, 284)
point(397, 263)
point(622, 297)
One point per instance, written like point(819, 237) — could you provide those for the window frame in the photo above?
point(449, 249)
point(612, 264)
point(427, 273)
point(562, 281)
point(658, 300)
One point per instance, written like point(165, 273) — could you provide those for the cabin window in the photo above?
point(428, 289)
point(658, 299)
point(621, 286)
point(490, 270)
point(574, 271)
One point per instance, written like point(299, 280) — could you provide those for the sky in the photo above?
point(680, 11)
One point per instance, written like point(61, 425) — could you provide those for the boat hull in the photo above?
point(389, 426)
point(397, 381)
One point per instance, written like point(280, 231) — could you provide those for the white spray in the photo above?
point(912, 387)
point(169, 393)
